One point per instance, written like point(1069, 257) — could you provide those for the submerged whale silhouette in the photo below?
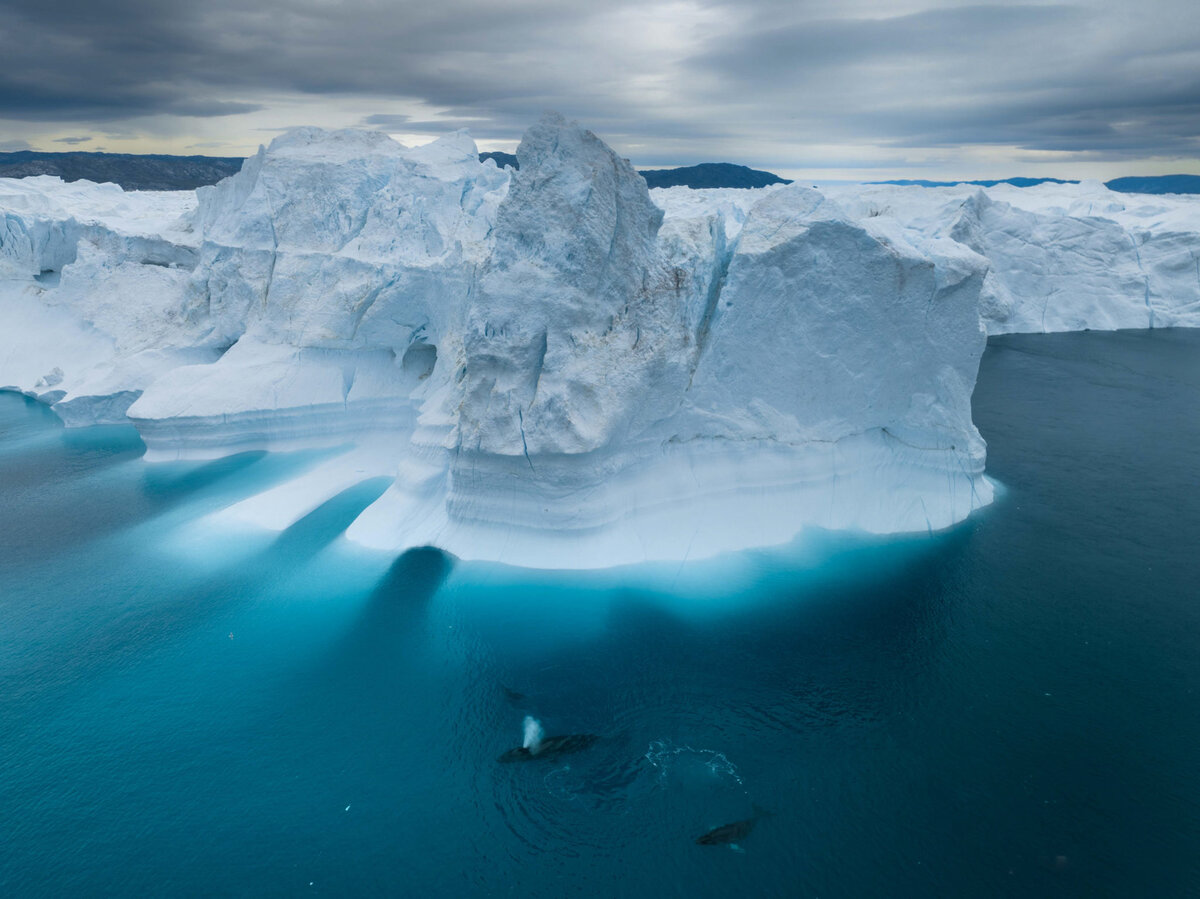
point(514, 696)
point(550, 748)
point(734, 831)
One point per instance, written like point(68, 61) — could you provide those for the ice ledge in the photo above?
point(694, 501)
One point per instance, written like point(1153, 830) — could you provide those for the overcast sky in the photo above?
point(827, 89)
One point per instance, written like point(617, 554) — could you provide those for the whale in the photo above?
point(550, 748)
point(515, 697)
point(730, 834)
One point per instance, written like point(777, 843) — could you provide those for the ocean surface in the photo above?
point(1008, 708)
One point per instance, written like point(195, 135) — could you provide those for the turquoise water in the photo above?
point(1008, 708)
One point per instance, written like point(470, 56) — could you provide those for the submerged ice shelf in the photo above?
point(555, 366)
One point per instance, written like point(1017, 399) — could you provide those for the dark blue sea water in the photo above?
point(1008, 708)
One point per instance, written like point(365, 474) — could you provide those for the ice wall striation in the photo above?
point(557, 367)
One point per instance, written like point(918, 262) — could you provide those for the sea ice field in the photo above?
point(1004, 707)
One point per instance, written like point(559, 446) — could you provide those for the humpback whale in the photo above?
point(550, 748)
point(734, 831)
point(514, 696)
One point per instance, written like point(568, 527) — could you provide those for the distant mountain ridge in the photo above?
point(711, 174)
point(157, 172)
point(1015, 182)
point(706, 174)
point(1149, 184)
point(131, 171)
point(134, 171)
point(1157, 184)
point(501, 159)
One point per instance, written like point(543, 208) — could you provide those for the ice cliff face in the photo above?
point(329, 266)
point(1062, 257)
point(567, 293)
point(629, 386)
point(557, 367)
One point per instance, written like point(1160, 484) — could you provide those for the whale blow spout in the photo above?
point(533, 735)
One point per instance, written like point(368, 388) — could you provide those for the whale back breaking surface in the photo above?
point(727, 833)
point(734, 831)
point(551, 748)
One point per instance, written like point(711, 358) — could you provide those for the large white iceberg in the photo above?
point(557, 367)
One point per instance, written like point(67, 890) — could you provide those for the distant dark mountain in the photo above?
point(131, 171)
point(1157, 184)
point(502, 159)
point(711, 174)
point(707, 174)
point(1015, 182)
point(154, 172)
point(149, 172)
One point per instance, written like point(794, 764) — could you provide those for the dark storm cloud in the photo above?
point(87, 61)
point(1065, 78)
point(770, 48)
point(754, 79)
point(72, 140)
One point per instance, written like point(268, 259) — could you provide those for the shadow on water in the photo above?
point(397, 604)
point(147, 617)
point(60, 475)
point(418, 572)
point(70, 454)
point(169, 483)
point(807, 661)
point(891, 596)
point(47, 486)
point(571, 683)
point(390, 619)
point(323, 525)
point(369, 676)
point(49, 472)
point(59, 520)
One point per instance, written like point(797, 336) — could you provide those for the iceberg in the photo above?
point(627, 386)
point(555, 366)
point(1062, 257)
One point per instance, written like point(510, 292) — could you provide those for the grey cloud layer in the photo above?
point(1040, 77)
point(1097, 78)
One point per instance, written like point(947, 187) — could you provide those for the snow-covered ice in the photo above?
point(557, 367)
point(1062, 257)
